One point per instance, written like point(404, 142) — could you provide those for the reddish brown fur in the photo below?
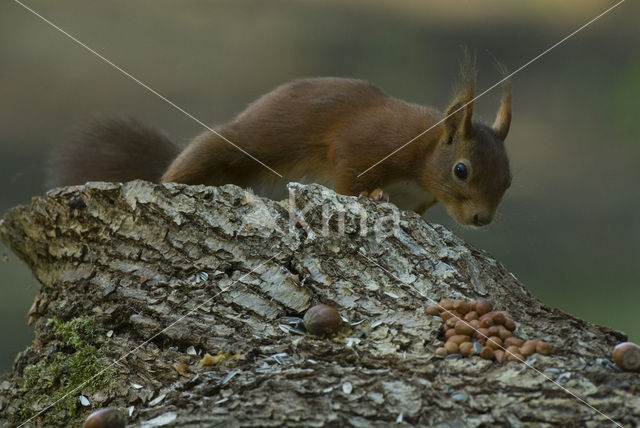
point(332, 129)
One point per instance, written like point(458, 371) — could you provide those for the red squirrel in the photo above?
point(323, 130)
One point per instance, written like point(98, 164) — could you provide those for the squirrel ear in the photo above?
point(458, 117)
point(503, 118)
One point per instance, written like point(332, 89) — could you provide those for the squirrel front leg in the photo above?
point(376, 194)
point(348, 183)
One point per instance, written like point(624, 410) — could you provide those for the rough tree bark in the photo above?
point(139, 281)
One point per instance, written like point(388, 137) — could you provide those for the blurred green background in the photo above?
point(569, 227)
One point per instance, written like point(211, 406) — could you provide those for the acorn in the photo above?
point(106, 418)
point(626, 355)
point(322, 320)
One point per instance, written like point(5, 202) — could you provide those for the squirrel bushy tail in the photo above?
point(116, 149)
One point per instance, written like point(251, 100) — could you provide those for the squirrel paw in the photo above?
point(376, 194)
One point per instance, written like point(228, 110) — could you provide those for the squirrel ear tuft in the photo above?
point(458, 115)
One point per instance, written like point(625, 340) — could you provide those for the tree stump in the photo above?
point(140, 281)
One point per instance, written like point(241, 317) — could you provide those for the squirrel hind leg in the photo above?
point(116, 149)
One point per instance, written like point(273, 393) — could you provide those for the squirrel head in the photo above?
point(468, 171)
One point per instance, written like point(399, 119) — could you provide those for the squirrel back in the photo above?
point(343, 133)
point(114, 149)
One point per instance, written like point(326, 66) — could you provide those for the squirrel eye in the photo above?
point(461, 171)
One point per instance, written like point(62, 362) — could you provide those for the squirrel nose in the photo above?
point(482, 219)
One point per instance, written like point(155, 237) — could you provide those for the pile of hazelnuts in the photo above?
point(474, 328)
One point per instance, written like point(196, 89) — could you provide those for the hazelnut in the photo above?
point(482, 333)
point(515, 357)
point(487, 353)
point(322, 320)
point(472, 305)
point(451, 322)
point(626, 355)
point(494, 331)
point(509, 324)
point(466, 349)
point(512, 350)
point(482, 306)
point(461, 307)
point(473, 315)
point(485, 316)
point(494, 342)
point(503, 332)
point(441, 352)
point(498, 354)
point(450, 332)
point(499, 318)
point(432, 310)
point(543, 348)
point(451, 347)
point(475, 324)
point(528, 348)
point(459, 338)
point(463, 327)
point(445, 304)
point(448, 314)
point(486, 322)
point(513, 341)
point(106, 418)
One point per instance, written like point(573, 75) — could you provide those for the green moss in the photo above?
point(75, 363)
